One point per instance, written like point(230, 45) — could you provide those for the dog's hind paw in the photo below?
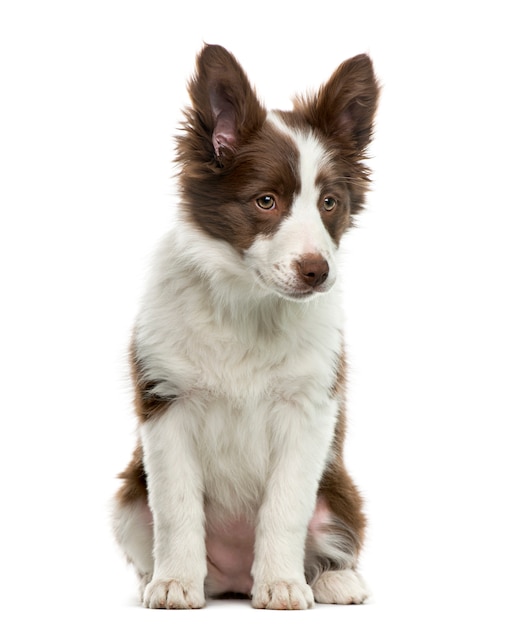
point(172, 594)
point(340, 587)
point(282, 595)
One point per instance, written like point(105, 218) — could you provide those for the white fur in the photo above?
point(254, 418)
point(340, 587)
point(272, 258)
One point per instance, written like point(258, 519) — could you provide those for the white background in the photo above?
point(90, 98)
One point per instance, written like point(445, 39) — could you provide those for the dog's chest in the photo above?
point(234, 447)
point(249, 411)
point(238, 376)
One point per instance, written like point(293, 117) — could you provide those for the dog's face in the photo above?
point(279, 187)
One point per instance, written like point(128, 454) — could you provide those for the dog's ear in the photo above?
point(344, 107)
point(226, 108)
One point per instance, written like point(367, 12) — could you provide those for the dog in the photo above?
point(237, 485)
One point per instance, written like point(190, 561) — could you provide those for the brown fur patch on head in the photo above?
point(223, 202)
point(225, 117)
point(229, 155)
point(342, 113)
point(333, 184)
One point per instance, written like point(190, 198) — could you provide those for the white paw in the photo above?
point(282, 595)
point(172, 594)
point(143, 581)
point(340, 587)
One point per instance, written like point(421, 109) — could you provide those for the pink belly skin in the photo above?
point(230, 551)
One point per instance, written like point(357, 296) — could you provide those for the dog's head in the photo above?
point(279, 187)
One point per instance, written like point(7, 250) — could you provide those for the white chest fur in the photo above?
point(251, 372)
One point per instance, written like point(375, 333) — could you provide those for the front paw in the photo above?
point(282, 595)
point(167, 593)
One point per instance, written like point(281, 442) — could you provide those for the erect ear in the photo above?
point(224, 101)
point(344, 107)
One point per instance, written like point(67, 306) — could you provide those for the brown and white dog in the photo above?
point(237, 485)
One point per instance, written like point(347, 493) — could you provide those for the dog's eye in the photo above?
point(266, 202)
point(329, 203)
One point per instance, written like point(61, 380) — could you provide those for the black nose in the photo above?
point(313, 269)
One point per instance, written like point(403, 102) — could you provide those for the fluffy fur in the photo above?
point(237, 484)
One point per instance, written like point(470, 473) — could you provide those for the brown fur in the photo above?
point(148, 404)
point(336, 486)
point(134, 485)
point(258, 160)
point(229, 157)
point(342, 112)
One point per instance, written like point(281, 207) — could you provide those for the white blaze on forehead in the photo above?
point(305, 218)
point(273, 258)
point(313, 156)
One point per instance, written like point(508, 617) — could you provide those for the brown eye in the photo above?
point(329, 203)
point(266, 202)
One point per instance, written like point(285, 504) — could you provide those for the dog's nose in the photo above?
point(313, 269)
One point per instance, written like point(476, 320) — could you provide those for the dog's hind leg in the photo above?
point(132, 521)
point(334, 541)
point(343, 586)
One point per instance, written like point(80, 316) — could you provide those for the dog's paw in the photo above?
point(172, 594)
point(340, 587)
point(282, 595)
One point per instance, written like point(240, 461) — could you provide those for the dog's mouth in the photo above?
point(289, 290)
point(298, 296)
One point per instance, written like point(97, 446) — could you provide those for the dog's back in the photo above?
point(238, 484)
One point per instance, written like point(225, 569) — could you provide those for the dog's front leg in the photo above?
point(288, 505)
point(176, 500)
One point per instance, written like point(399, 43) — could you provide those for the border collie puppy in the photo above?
point(237, 484)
